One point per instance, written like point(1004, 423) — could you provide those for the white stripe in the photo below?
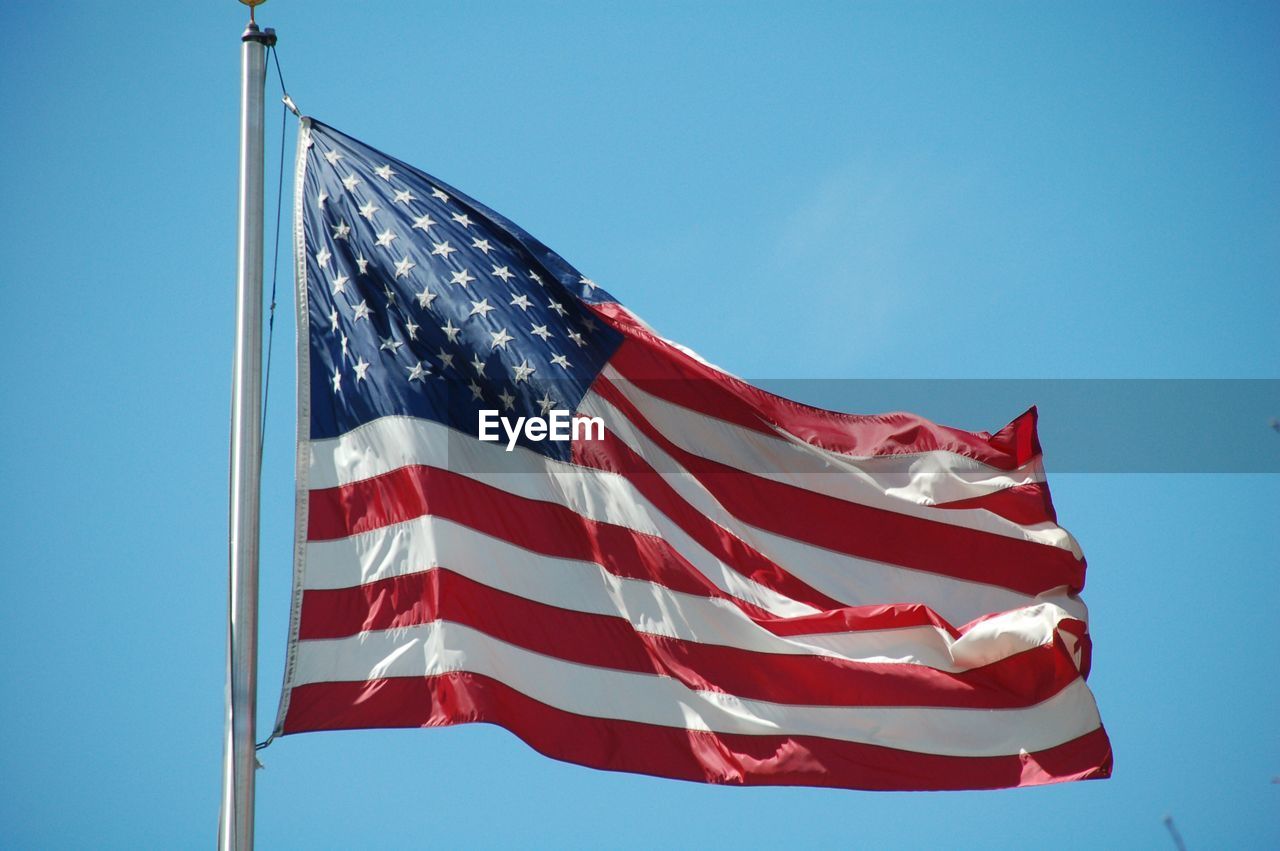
point(391, 442)
point(427, 542)
point(905, 484)
point(443, 647)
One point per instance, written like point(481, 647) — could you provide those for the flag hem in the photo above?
point(302, 456)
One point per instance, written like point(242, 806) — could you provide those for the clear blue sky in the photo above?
point(815, 191)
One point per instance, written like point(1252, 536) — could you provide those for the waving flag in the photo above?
point(706, 582)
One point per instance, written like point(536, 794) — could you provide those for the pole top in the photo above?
point(266, 37)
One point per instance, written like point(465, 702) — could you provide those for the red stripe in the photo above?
point(1018, 681)
point(555, 530)
point(665, 371)
point(543, 527)
point(847, 527)
point(614, 456)
point(1023, 504)
point(408, 492)
point(460, 698)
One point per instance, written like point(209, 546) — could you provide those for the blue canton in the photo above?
point(422, 302)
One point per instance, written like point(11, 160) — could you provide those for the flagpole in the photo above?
point(235, 826)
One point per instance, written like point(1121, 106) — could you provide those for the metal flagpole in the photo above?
point(235, 827)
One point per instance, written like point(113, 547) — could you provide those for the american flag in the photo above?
point(727, 586)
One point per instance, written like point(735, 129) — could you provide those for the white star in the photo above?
point(462, 219)
point(462, 277)
point(561, 361)
point(333, 320)
point(332, 157)
point(546, 403)
point(500, 339)
point(541, 331)
point(345, 353)
point(533, 276)
point(426, 297)
point(412, 327)
point(576, 337)
point(368, 210)
point(521, 301)
point(321, 198)
point(475, 390)
point(557, 307)
point(508, 401)
point(503, 272)
point(403, 267)
point(362, 366)
point(362, 310)
point(423, 222)
point(404, 196)
point(481, 307)
point(389, 293)
point(482, 244)
point(341, 230)
point(589, 284)
point(438, 193)
point(384, 172)
point(337, 380)
point(389, 343)
point(588, 323)
point(322, 257)
point(443, 249)
point(362, 264)
point(340, 283)
point(450, 330)
point(417, 372)
point(351, 182)
point(477, 365)
point(385, 238)
point(523, 371)
point(446, 359)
